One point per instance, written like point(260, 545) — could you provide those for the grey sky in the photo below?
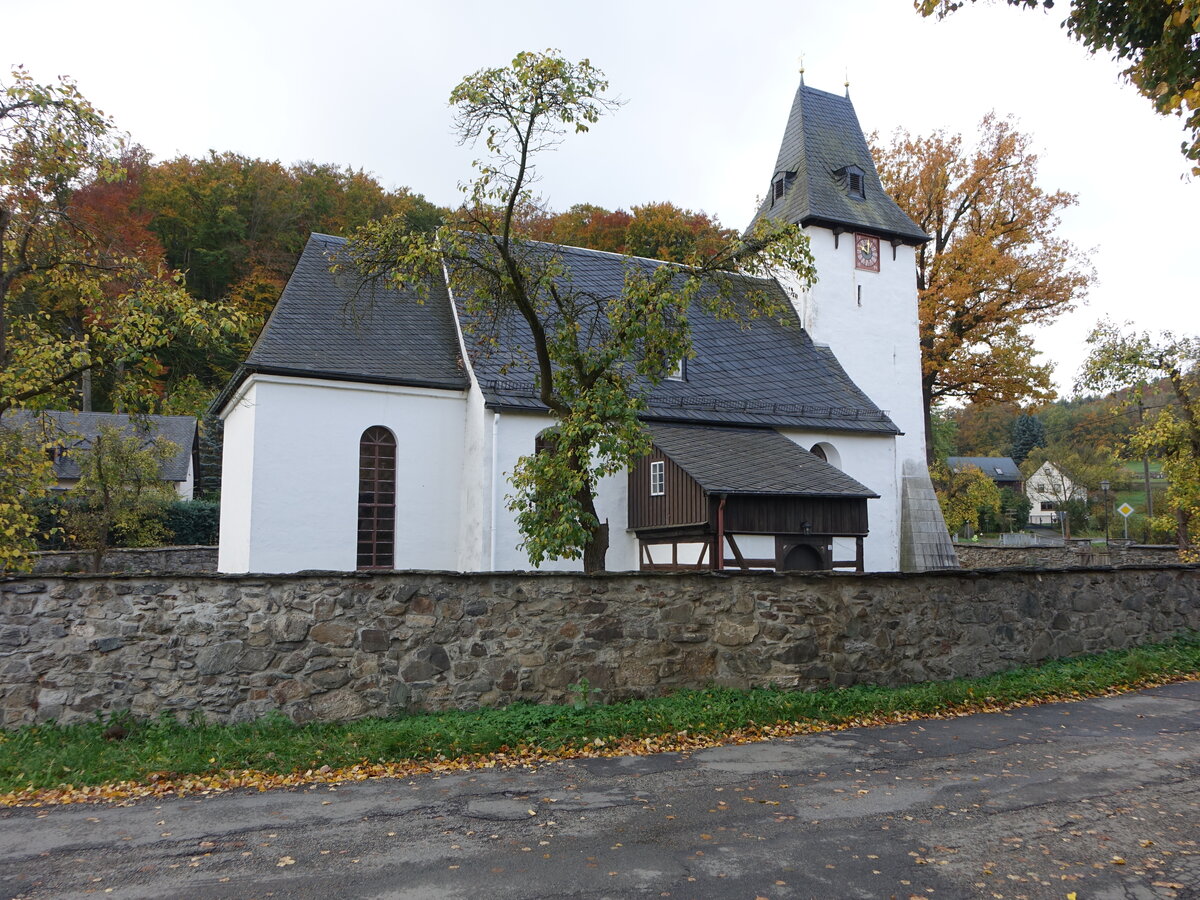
point(707, 89)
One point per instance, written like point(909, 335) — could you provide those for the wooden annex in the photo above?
point(712, 498)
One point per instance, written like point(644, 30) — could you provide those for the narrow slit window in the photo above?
point(658, 478)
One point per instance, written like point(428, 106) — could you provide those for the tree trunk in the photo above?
point(85, 391)
point(596, 550)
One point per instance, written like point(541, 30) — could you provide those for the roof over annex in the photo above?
point(821, 141)
point(73, 430)
point(997, 468)
point(331, 326)
point(752, 461)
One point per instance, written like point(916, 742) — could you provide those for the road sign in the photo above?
point(1125, 509)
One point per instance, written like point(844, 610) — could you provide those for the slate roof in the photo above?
point(997, 468)
point(821, 138)
point(752, 461)
point(768, 374)
point(77, 430)
point(326, 326)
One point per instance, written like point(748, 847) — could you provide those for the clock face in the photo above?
point(866, 252)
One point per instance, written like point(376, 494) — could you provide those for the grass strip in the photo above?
point(42, 758)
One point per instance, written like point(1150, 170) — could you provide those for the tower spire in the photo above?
point(802, 70)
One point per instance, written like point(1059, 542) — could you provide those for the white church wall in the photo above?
point(304, 499)
point(869, 320)
point(514, 438)
point(474, 527)
point(237, 481)
point(871, 461)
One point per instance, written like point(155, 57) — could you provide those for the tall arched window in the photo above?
point(377, 499)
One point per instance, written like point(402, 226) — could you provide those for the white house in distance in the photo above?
point(1048, 489)
point(368, 431)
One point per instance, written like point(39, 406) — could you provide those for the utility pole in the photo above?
point(1146, 477)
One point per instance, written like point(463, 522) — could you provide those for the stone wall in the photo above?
point(129, 559)
point(975, 556)
point(329, 646)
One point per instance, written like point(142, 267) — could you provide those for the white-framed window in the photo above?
point(679, 373)
point(658, 478)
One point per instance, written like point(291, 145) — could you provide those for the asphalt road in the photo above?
point(1099, 798)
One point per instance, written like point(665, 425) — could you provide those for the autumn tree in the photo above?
point(1132, 361)
point(994, 267)
point(26, 474)
point(593, 356)
point(964, 493)
point(120, 491)
point(75, 297)
point(1157, 38)
point(653, 230)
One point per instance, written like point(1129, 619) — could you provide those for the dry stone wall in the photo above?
point(975, 556)
point(195, 558)
point(326, 646)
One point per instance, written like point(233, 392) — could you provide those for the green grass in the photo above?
point(51, 756)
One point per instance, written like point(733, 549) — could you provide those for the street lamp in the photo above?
point(1104, 486)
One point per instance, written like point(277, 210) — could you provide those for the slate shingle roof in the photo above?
point(822, 137)
point(324, 325)
point(767, 374)
point(997, 468)
point(77, 429)
point(751, 461)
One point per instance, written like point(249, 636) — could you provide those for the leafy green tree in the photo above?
point(1134, 360)
point(592, 355)
point(75, 296)
point(26, 475)
point(1027, 433)
point(1158, 38)
point(945, 435)
point(120, 490)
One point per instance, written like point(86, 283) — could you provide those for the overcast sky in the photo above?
point(707, 88)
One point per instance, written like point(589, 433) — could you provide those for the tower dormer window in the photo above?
point(855, 181)
point(780, 184)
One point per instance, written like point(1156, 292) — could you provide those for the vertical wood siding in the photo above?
point(682, 501)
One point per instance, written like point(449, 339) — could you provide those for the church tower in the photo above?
point(864, 303)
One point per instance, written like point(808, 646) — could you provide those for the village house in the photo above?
point(68, 434)
point(367, 430)
point(1048, 489)
point(1001, 469)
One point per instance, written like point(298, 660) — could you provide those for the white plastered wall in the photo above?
point(514, 434)
point(871, 461)
point(237, 480)
point(869, 321)
point(290, 475)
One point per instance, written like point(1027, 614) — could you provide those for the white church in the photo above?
point(380, 436)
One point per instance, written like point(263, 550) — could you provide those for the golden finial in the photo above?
point(847, 82)
point(802, 68)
